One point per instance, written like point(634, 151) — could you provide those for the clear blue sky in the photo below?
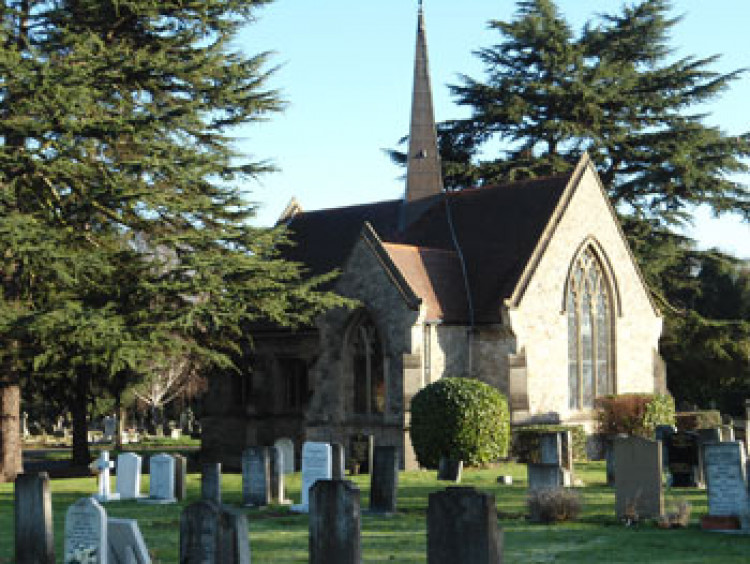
point(345, 69)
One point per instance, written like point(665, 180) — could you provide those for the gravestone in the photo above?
point(684, 459)
point(316, 465)
point(276, 482)
point(337, 461)
point(102, 466)
point(462, 527)
point(726, 478)
point(384, 480)
point(706, 436)
point(212, 534)
point(287, 454)
point(638, 478)
point(161, 481)
point(110, 428)
point(86, 532)
point(335, 523)
point(126, 544)
point(211, 482)
point(727, 433)
point(662, 433)
point(128, 475)
point(180, 477)
point(545, 469)
point(256, 476)
point(35, 543)
point(449, 469)
point(360, 453)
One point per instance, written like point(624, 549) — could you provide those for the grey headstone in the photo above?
point(316, 465)
point(35, 543)
point(361, 449)
point(129, 475)
point(450, 470)
point(211, 482)
point(278, 495)
point(126, 543)
point(384, 480)
point(180, 477)
point(462, 527)
point(86, 531)
point(335, 523)
point(337, 461)
point(726, 478)
point(550, 449)
point(638, 479)
point(287, 453)
point(544, 476)
point(212, 534)
point(161, 479)
point(256, 476)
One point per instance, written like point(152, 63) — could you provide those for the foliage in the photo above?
point(554, 505)
point(634, 414)
point(694, 420)
point(525, 438)
point(459, 418)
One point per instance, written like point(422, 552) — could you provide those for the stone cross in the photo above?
point(102, 466)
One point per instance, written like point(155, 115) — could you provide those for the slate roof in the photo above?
point(497, 229)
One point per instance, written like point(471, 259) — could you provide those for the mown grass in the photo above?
point(277, 536)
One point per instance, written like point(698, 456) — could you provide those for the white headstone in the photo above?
point(129, 475)
point(316, 465)
point(161, 482)
point(102, 467)
point(86, 532)
point(126, 543)
point(287, 454)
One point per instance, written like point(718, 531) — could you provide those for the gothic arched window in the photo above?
point(366, 353)
point(590, 335)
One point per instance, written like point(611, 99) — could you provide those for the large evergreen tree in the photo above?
point(124, 233)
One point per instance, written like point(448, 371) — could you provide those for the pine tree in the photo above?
point(125, 232)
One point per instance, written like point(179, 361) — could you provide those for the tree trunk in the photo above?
point(11, 462)
point(81, 453)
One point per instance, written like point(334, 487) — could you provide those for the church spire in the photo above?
point(423, 177)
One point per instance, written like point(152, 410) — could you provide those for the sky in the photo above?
point(345, 70)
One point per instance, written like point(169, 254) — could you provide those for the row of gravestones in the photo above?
point(167, 483)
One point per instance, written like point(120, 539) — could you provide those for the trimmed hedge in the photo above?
point(634, 414)
point(459, 418)
point(525, 440)
point(693, 420)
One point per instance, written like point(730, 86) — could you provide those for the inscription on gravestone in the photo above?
point(316, 465)
point(726, 477)
point(86, 532)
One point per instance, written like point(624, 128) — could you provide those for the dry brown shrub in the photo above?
point(554, 505)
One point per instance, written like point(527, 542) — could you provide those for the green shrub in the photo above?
point(634, 414)
point(460, 418)
point(526, 440)
point(692, 420)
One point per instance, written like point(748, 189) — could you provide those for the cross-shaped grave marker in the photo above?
point(101, 467)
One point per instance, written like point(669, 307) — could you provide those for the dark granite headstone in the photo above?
point(662, 433)
point(335, 523)
point(684, 459)
point(180, 477)
point(256, 476)
point(337, 461)
point(384, 480)
point(360, 453)
point(638, 478)
point(449, 469)
point(462, 528)
point(212, 534)
point(35, 542)
point(211, 482)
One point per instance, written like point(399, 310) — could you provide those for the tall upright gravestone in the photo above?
point(180, 477)
point(161, 479)
point(684, 459)
point(726, 478)
point(638, 480)
point(211, 482)
point(384, 480)
point(335, 523)
point(35, 542)
point(86, 532)
point(128, 475)
point(256, 476)
point(316, 465)
point(212, 534)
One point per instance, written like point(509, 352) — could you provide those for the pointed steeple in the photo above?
point(423, 177)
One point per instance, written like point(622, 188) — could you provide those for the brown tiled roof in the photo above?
point(497, 229)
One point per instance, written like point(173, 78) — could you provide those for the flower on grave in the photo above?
point(82, 555)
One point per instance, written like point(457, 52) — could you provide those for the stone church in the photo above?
point(528, 286)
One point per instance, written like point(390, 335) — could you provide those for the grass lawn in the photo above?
point(277, 536)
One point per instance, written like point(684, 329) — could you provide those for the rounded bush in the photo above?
point(459, 418)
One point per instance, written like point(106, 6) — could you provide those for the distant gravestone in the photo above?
point(462, 527)
point(126, 544)
point(211, 482)
point(287, 454)
point(256, 476)
point(129, 475)
point(212, 534)
point(727, 433)
point(103, 466)
point(316, 465)
point(384, 480)
point(180, 477)
point(161, 481)
point(684, 459)
point(110, 428)
point(335, 523)
point(545, 469)
point(86, 532)
point(361, 453)
point(726, 478)
point(35, 543)
point(276, 481)
point(337, 461)
point(449, 469)
point(662, 433)
point(638, 480)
